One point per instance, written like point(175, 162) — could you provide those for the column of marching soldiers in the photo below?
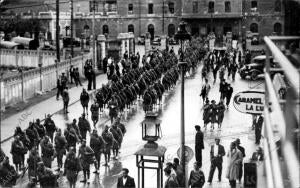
point(43, 142)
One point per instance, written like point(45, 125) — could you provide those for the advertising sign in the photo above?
point(249, 102)
point(188, 152)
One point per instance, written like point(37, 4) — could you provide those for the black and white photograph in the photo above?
point(149, 93)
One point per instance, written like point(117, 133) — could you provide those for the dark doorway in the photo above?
point(171, 30)
point(151, 31)
point(277, 28)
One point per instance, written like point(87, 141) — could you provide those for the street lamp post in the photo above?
point(182, 35)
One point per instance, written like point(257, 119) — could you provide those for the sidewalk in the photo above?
point(49, 106)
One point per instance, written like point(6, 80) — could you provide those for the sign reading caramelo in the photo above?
point(249, 102)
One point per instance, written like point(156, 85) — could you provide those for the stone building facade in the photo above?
point(161, 17)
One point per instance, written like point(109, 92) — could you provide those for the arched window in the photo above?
point(277, 6)
point(254, 28)
point(151, 30)
point(105, 29)
point(277, 28)
point(171, 30)
point(131, 28)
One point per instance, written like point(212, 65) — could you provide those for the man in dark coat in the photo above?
point(125, 181)
point(206, 113)
point(217, 152)
point(242, 149)
point(77, 77)
point(228, 94)
point(72, 75)
point(50, 127)
point(104, 65)
point(84, 126)
point(258, 122)
point(60, 148)
point(222, 89)
point(66, 99)
point(59, 88)
point(199, 145)
point(84, 99)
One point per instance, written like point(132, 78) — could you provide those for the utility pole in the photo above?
point(72, 17)
point(163, 18)
point(140, 17)
point(94, 36)
point(57, 32)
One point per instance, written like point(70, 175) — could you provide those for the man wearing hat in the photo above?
point(217, 152)
point(242, 149)
point(199, 145)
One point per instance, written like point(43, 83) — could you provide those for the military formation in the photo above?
point(34, 149)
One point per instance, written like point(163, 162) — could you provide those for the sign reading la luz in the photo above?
point(249, 102)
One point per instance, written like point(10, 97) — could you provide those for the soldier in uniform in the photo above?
point(46, 177)
point(40, 128)
point(84, 126)
point(18, 151)
point(50, 127)
point(108, 138)
point(118, 137)
point(60, 148)
point(84, 99)
point(33, 135)
point(95, 112)
point(71, 136)
point(75, 127)
point(97, 144)
point(120, 125)
point(113, 112)
point(32, 161)
point(7, 170)
point(72, 167)
point(47, 151)
point(25, 140)
point(87, 157)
